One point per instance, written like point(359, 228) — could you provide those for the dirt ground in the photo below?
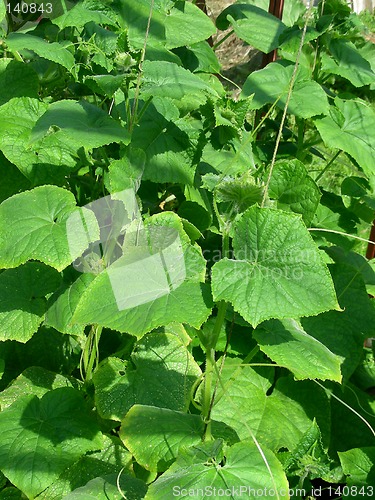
point(236, 57)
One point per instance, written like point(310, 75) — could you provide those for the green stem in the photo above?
point(90, 355)
point(210, 354)
point(328, 165)
point(217, 44)
point(300, 137)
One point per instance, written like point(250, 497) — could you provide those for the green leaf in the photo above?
point(167, 142)
point(127, 172)
point(111, 459)
point(158, 290)
point(351, 128)
point(167, 79)
point(310, 460)
point(63, 303)
point(79, 123)
point(344, 332)
point(272, 83)
point(199, 57)
point(294, 189)
point(286, 343)
point(42, 437)
point(2, 11)
point(358, 464)
point(246, 472)
point(243, 18)
point(278, 271)
point(353, 418)
point(119, 384)
point(47, 348)
point(80, 15)
point(248, 403)
point(107, 84)
point(36, 381)
point(172, 25)
point(239, 193)
point(110, 486)
point(12, 181)
point(167, 433)
point(17, 80)
point(22, 299)
point(34, 225)
point(47, 161)
point(53, 51)
point(347, 62)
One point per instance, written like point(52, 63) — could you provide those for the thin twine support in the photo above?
point(289, 95)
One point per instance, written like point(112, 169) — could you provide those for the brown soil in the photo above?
point(236, 57)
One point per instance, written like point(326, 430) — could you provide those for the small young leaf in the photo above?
point(294, 189)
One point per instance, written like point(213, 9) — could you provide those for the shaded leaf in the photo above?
point(119, 385)
point(22, 299)
point(42, 437)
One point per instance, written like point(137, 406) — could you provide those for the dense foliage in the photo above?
point(184, 299)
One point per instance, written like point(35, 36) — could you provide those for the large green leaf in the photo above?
point(247, 402)
point(53, 51)
point(344, 332)
point(80, 124)
point(272, 83)
point(119, 384)
point(158, 280)
point(286, 343)
point(253, 25)
point(42, 437)
point(46, 161)
point(278, 271)
point(17, 80)
point(173, 24)
point(347, 62)
point(351, 128)
point(293, 189)
point(167, 79)
point(155, 436)
point(358, 465)
point(111, 459)
point(22, 299)
point(246, 472)
point(34, 225)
